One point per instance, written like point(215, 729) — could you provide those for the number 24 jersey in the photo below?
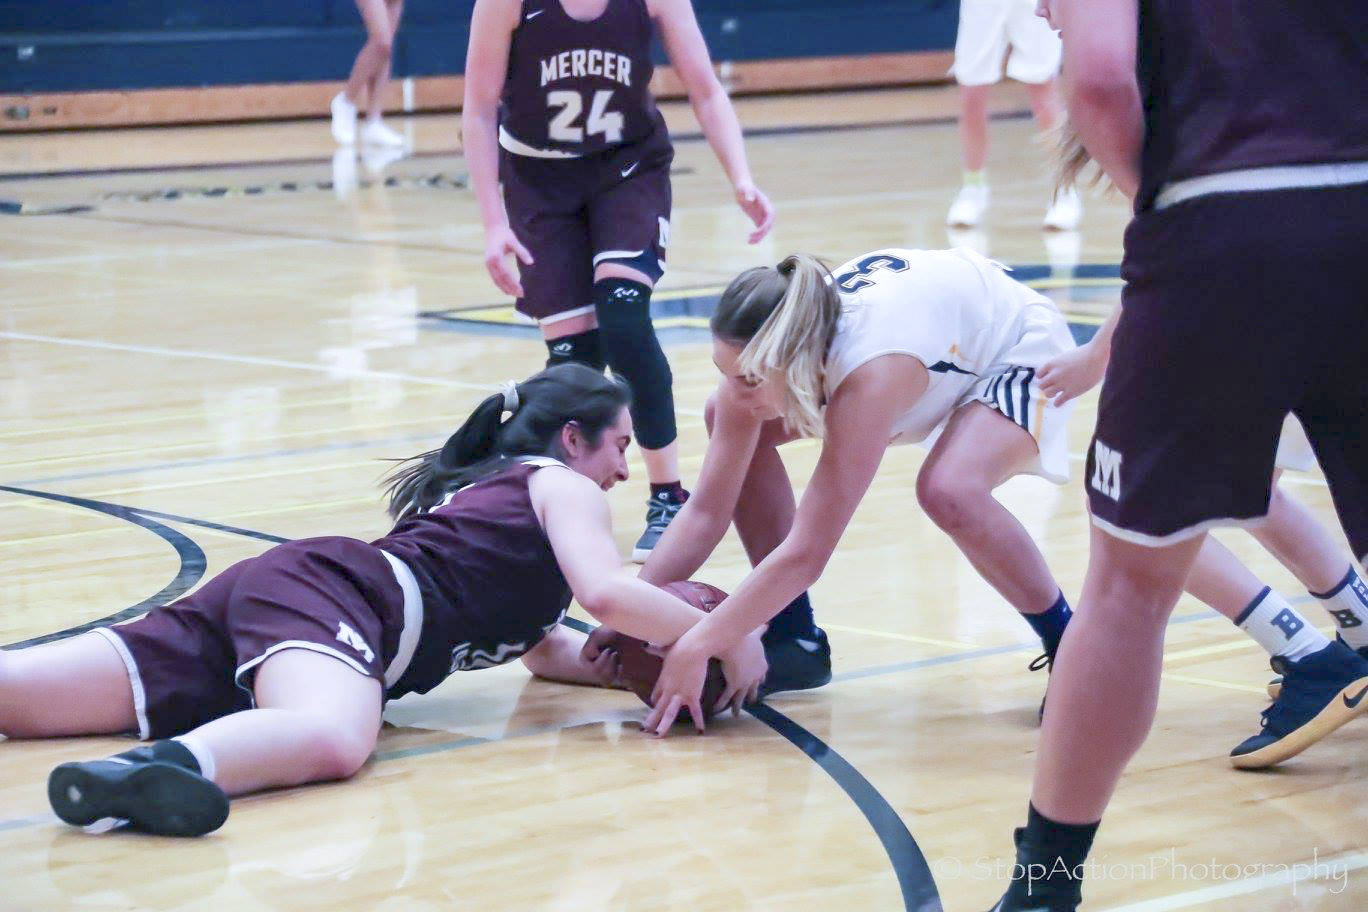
point(577, 87)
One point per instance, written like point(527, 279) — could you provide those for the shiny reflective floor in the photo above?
point(239, 329)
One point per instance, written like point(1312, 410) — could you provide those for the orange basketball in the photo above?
point(640, 669)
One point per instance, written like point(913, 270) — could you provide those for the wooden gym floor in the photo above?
point(220, 345)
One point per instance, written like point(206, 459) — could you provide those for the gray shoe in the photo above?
point(660, 510)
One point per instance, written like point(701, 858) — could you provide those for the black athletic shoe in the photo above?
point(797, 664)
point(1046, 661)
point(1318, 695)
point(1052, 894)
point(660, 510)
point(1276, 682)
point(151, 795)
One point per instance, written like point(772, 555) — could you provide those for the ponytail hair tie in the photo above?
point(510, 397)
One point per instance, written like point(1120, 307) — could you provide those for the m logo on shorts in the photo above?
point(353, 639)
point(1106, 478)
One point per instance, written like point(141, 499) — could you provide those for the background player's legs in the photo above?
point(369, 75)
point(972, 200)
point(1048, 109)
point(77, 686)
point(317, 719)
point(662, 462)
point(979, 450)
point(573, 338)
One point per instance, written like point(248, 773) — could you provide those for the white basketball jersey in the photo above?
point(954, 310)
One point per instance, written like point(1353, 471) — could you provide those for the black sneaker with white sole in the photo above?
point(660, 510)
point(797, 663)
point(150, 795)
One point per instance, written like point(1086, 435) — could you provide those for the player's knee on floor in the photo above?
point(336, 753)
point(631, 348)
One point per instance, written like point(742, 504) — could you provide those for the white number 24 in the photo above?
point(600, 120)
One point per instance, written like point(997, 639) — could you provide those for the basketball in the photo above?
point(640, 668)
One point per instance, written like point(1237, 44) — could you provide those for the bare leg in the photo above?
point(374, 56)
point(766, 506)
point(979, 450)
point(318, 720)
point(1105, 685)
point(1299, 541)
point(394, 9)
point(973, 127)
point(77, 686)
point(1219, 579)
point(1045, 103)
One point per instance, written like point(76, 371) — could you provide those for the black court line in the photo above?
point(192, 563)
point(909, 864)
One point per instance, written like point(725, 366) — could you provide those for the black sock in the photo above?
point(583, 348)
point(172, 752)
point(793, 622)
point(672, 491)
point(1049, 624)
point(1050, 857)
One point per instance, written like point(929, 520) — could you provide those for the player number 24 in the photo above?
point(600, 120)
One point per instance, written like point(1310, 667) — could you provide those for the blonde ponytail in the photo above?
point(785, 317)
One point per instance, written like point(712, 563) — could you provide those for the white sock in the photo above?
point(1347, 603)
point(1278, 628)
point(203, 756)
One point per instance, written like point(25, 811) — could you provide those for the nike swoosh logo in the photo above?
point(945, 367)
point(530, 16)
point(627, 171)
point(1353, 704)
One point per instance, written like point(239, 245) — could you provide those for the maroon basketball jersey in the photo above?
point(490, 583)
point(1232, 84)
point(576, 87)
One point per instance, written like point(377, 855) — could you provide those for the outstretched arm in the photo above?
point(688, 54)
point(694, 533)
point(574, 513)
point(859, 422)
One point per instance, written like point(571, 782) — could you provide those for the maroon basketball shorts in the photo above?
point(194, 660)
point(573, 214)
point(1238, 308)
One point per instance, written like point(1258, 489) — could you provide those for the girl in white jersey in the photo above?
point(897, 346)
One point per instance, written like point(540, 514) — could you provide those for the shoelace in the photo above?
point(1044, 660)
point(659, 513)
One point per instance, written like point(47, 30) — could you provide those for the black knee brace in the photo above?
point(632, 350)
point(583, 348)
